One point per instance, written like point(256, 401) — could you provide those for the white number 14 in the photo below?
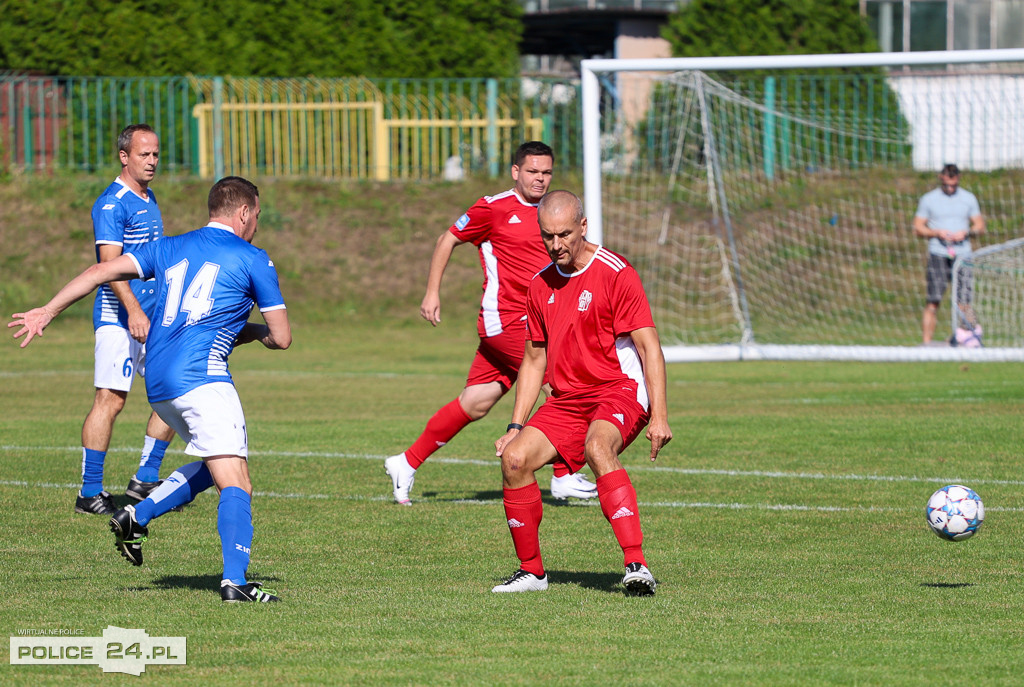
point(194, 300)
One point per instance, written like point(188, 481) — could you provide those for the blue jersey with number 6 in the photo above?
point(122, 218)
point(207, 282)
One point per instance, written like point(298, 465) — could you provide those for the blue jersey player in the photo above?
point(206, 283)
point(124, 218)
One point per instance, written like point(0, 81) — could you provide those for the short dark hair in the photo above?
point(950, 170)
point(124, 139)
point(532, 148)
point(229, 194)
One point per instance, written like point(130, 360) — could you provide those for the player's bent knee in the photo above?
point(515, 462)
point(229, 471)
point(601, 457)
point(477, 412)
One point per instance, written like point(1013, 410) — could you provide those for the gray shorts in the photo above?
point(940, 273)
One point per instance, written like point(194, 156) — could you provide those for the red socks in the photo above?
point(560, 468)
point(446, 423)
point(524, 511)
point(618, 503)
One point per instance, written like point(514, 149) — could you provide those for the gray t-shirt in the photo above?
point(949, 212)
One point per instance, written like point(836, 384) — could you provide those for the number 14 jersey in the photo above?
point(207, 282)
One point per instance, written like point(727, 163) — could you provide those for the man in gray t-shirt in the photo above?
point(947, 216)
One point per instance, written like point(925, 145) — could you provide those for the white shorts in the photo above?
point(117, 358)
point(209, 420)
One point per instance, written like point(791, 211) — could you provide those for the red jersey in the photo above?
point(505, 231)
point(585, 318)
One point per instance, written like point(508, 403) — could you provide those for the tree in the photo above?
point(706, 28)
point(284, 38)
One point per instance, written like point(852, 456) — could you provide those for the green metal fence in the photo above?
point(49, 123)
point(363, 128)
point(328, 128)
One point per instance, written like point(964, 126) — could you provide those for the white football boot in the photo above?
point(402, 477)
point(522, 581)
point(575, 486)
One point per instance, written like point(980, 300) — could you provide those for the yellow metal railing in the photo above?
point(285, 139)
point(329, 130)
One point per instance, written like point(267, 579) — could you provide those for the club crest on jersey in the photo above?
point(585, 299)
point(461, 222)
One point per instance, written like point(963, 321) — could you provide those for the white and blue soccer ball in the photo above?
point(955, 512)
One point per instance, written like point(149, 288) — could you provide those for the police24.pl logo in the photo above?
point(119, 650)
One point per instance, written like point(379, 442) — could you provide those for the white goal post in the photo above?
point(768, 206)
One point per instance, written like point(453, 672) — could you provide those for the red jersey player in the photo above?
point(504, 229)
point(590, 329)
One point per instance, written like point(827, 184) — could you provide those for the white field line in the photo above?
point(636, 468)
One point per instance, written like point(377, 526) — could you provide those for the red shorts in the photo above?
point(498, 357)
point(565, 421)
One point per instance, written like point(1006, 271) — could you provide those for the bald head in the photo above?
point(562, 204)
point(563, 229)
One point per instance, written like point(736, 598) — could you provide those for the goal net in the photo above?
point(769, 212)
point(988, 291)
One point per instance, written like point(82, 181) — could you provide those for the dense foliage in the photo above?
point(768, 27)
point(374, 38)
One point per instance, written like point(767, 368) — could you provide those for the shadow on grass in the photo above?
point(947, 585)
point(495, 495)
point(202, 582)
point(602, 582)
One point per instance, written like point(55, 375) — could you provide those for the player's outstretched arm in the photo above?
point(430, 308)
point(33, 322)
point(528, 385)
point(648, 345)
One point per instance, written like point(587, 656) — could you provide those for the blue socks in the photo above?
point(178, 489)
point(92, 471)
point(234, 513)
point(234, 523)
point(152, 455)
point(149, 467)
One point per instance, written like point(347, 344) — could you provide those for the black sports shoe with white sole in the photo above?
point(128, 534)
point(138, 491)
point(251, 591)
point(100, 504)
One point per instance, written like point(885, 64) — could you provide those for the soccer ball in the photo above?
point(955, 512)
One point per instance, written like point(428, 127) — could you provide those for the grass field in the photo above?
point(785, 524)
